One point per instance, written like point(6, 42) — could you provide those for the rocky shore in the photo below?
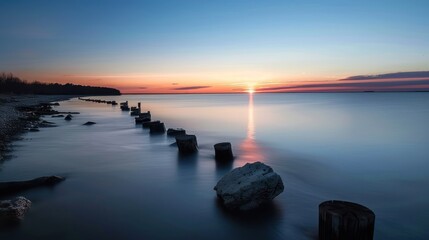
point(13, 121)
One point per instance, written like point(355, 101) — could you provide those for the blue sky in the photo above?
point(211, 42)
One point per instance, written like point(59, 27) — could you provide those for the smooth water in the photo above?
point(122, 183)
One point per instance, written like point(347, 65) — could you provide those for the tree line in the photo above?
point(11, 84)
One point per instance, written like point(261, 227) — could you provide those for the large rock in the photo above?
point(249, 186)
point(14, 210)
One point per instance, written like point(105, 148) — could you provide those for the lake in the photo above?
point(123, 183)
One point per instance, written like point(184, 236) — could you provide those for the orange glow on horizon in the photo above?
point(206, 82)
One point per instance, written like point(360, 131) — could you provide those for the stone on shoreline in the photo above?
point(249, 186)
point(14, 210)
point(18, 113)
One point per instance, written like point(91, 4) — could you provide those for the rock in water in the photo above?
point(10, 187)
point(68, 117)
point(14, 210)
point(89, 123)
point(249, 186)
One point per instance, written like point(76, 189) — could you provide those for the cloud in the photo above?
point(418, 74)
point(142, 87)
point(354, 85)
point(175, 83)
point(190, 88)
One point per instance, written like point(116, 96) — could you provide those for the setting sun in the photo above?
point(251, 89)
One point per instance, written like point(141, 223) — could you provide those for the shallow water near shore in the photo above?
point(123, 183)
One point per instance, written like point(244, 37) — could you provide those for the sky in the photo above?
point(182, 46)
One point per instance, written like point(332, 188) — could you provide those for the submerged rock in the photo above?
point(16, 186)
point(249, 186)
point(89, 123)
point(45, 124)
point(14, 210)
point(68, 117)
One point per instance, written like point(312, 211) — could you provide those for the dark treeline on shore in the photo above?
point(10, 84)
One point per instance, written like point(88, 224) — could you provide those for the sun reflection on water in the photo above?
point(251, 151)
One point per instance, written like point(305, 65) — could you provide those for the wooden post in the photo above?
point(176, 131)
point(157, 127)
point(223, 151)
point(148, 124)
point(187, 143)
point(340, 220)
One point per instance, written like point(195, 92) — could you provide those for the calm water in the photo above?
point(122, 183)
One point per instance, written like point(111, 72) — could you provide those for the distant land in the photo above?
point(10, 84)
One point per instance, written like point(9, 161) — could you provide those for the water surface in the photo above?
point(370, 148)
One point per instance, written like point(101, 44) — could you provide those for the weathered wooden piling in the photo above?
point(148, 124)
point(157, 128)
point(143, 117)
point(175, 132)
point(187, 143)
point(340, 220)
point(223, 151)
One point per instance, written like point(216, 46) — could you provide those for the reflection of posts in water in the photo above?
point(251, 152)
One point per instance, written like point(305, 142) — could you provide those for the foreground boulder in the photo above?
point(14, 210)
point(249, 186)
point(10, 187)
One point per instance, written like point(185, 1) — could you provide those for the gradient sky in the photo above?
point(214, 46)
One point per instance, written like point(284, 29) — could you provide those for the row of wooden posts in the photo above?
point(338, 220)
point(186, 143)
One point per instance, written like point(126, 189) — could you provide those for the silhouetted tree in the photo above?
point(11, 84)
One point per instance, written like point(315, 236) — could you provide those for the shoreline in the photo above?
point(13, 121)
